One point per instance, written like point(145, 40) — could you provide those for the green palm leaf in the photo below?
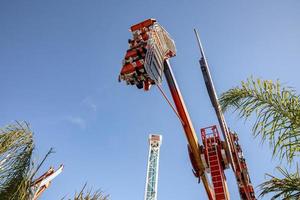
point(16, 147)
point(89, 195)
point(286, 188)
point(277, 110)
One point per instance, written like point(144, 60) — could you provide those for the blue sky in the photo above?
point(59, 63)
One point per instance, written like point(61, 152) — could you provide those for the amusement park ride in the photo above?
point(145, 63)
point(39, 185)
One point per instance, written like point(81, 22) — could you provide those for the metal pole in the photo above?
point(214, 100)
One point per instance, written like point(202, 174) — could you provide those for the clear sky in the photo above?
point(59, 63)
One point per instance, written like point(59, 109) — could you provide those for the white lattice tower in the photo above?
point(152, 169)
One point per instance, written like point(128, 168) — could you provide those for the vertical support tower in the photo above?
point(152, 168)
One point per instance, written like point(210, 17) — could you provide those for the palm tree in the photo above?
point(17, 171)
point(277, 112)
point(16, 148)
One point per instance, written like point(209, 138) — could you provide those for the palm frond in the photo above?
point(89, 195)
point(286, 188)
point(16, 147)
point(277, 109)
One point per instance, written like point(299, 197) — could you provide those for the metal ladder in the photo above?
point(213, 147)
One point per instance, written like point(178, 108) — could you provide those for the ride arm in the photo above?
point(188, 129)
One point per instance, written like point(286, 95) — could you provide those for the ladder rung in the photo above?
point(215, 173)
point(214, 162)
point(217, 181)
point(220, 196)
point(215, 167)
point(213, 159)
point(218, 185)
point(219, 190)
point(213, 153)
point(216, 178)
